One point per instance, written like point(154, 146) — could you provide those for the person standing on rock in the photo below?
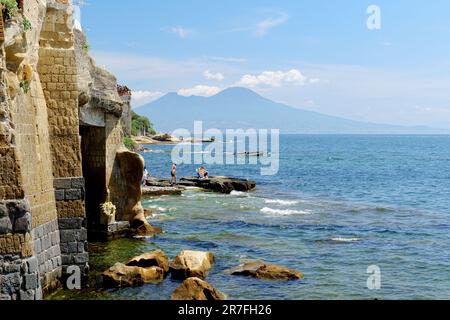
point(173, 173)
point(144, 177)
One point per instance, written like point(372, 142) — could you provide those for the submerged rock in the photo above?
point(192, 264)
point(196, 289)
point(121, 275)
point(220, 184)
point(151, 259)
point(265, 271)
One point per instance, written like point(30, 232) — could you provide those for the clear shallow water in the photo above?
point(338, 205)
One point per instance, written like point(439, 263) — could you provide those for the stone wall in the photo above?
point(39, 140)
point(58, 71)
point(61, 151)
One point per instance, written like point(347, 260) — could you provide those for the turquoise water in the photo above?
point(338, 205)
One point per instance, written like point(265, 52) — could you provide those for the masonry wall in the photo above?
point(58, 71)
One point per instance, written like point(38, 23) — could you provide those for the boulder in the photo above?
point(144, 229)
point(121, 275)
point(196, 289)
point(125, 186)
point(220, 184)
point(192, 264)
point(265, 271)
point(151, 259)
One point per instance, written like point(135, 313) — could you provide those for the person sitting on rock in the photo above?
point(202, 173)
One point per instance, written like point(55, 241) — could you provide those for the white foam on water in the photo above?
point(281, 202)
point(238, 193)
point(345, 240)
point(161, 209)
point(284, 212)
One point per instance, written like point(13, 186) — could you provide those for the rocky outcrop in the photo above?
point(197, 289)
point(220, 184)
point(151, 259)
point(192, 264)
point(125, 186)
point(162, 191)
point(97, 88)
point(265, 271)
point(121, 275)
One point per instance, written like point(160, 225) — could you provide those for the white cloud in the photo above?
point(213, 76)
point(140, 98)
point(183, 33)
point(264, 26)
point(200, 90)
point(276, 79)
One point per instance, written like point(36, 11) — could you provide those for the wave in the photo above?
point(239, 193)
point(281, 202)
point(345, 240)
point(284, 212)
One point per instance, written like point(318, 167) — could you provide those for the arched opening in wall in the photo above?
point(93, 151)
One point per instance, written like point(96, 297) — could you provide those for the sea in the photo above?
point(361, 216)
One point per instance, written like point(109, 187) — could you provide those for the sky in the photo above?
point(315, 55)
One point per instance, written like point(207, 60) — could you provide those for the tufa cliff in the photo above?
point(62, 123)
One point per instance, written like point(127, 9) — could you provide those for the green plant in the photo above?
point(10, 8)
point(26, 24)
point(129, 143)
point(86, 48)
point(140, 125)
point(25, 85)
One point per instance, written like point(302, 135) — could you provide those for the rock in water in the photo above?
point(265, 271)
point(192, 264)
point(196, 289)
point(121, 275)
point(220, 184)
point(151, 259)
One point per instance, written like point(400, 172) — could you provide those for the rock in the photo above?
point(196, 289)
point(97, 87)
point(144, 229)
point(152, 259)
point(162, 191)
point(165, 137)
point(121, 275)
point(125, 186)
point(192, 264)
point(221, 184)
point(265, 271)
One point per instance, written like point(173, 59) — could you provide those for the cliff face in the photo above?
point(60, 124)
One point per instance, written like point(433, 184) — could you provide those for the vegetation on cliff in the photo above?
point(10, 8)
point(141, 125)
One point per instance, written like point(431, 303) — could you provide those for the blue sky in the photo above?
point(315, 55)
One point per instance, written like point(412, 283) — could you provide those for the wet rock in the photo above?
point(220, 184)
point(121, 275)
point(151, 259)
point(192, 264)
point(196, 289)
point(144, 229)
point(162, 191)
point(265, 271)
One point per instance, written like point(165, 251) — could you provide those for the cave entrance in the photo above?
point(93, 149)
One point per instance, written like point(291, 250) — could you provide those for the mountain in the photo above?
point(240, 108)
